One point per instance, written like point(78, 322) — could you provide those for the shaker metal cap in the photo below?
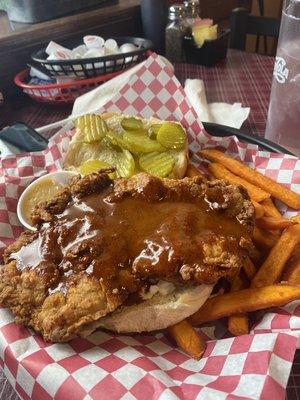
point(192, 8)
point(176, 11)
point(191, 3)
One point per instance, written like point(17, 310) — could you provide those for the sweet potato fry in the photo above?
point(237, 283)
point(274, 224)
point(255, 254)
point(249, 268)
point(245, 300)
point(264, 239)
point(271, 270)
point(270, 209)
point(238, 323)
point(220, 172)
point(280, 192)
point(259, 210)
point(192, 171)
point(291, 273)
point(188, 339)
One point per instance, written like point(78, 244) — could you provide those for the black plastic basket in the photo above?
point(210, 53)
point(95, 66)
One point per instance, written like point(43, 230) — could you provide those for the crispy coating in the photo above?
point(58, 317)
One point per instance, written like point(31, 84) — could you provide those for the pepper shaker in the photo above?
point(175, 32)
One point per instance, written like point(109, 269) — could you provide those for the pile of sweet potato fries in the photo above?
point(271, 277)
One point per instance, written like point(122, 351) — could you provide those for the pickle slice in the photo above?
point(141, 143)
point(80, 123)
point(125, 164)
point(171, 136)
point(91, 166)
point(131, 124)
point(102, 128)
point(116, 139)
point(158, 164)
point(93, 126)
point(153, 130)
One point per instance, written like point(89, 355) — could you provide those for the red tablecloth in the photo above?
point(242, 77)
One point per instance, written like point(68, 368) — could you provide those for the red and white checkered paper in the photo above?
point(147, 366)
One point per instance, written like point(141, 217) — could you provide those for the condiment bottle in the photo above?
point(192, 11)
point(154, 18)
point(175, 31)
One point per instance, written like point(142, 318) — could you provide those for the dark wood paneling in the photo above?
point(220, 10)
point(121, 19)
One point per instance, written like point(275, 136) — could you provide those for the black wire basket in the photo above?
point(95, 66)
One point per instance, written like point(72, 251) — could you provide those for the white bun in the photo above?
point(157, 313)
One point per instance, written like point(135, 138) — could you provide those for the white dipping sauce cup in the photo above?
point(61, 177)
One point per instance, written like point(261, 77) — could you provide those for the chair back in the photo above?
point(243, 24)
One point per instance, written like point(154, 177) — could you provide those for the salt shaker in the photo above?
point(192, 11)
point(175, 31)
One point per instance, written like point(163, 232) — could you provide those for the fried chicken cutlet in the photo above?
point(100, 242)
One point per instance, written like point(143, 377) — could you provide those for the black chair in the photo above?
point(243, 24)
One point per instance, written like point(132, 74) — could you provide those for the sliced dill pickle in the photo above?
point(125, 164)
point(141, 143)
point(131, 124)
point(102, 127)
point(158, 164)
point(153, 130)
point(171, 136)
point(80, 123)
point(93, 126)
point(116, 139)
point(91, 166)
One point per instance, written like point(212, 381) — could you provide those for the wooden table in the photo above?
point(242, 77)
point(117, 18)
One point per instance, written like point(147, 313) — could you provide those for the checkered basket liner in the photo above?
point(148, 366)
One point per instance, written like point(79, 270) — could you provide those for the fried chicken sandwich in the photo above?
point(128, 255)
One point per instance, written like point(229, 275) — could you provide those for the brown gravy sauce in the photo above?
point(110, 240)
